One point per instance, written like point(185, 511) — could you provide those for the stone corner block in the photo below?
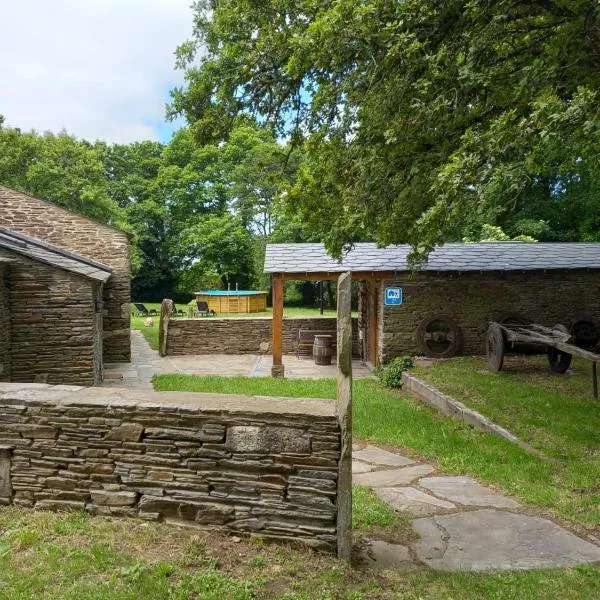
point(265, 440)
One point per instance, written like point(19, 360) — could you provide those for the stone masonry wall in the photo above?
point(242, 336)
point(65, 229)
point(51, 323)
point(5, 362)
point(267, 466)
point(474, 299)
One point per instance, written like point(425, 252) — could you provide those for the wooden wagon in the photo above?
point(555, 342)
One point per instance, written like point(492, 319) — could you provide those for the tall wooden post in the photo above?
point(277, 370)
point(344, 411)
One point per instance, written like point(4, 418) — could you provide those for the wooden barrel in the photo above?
point(322, 350)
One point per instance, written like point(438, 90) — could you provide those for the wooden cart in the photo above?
point(555, 342)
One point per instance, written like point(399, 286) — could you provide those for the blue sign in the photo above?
point(393, 296)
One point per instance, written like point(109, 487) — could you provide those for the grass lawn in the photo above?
point(151, 333)
point(554, 413)
point(561, 485)
point(79, 557)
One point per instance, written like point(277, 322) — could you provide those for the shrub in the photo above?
point(391, 374)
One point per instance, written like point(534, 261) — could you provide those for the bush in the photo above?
point(391, 374)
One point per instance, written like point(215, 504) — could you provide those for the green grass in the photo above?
point(384, 416)
point(79, 557)
point(554, 413)
point(373, 517)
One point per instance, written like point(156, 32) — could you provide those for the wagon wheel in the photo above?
point(438, 336)
point(558, 360)
point(496, 347)
point(586, 333)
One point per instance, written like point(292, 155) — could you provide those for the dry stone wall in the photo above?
point(52, 319)
point(5, 360)
point(243, 336)
point(65, 229)
point(474, 299)
point(267, 466)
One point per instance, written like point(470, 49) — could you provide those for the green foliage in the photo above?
point(391, 374)
point(421, 121)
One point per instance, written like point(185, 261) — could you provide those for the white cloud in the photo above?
point(101, 69)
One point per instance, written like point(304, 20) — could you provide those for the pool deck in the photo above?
point(145, 363)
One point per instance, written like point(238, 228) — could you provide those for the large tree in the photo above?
point(423, 121)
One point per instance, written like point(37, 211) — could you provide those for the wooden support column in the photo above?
point(344, 411)
point(277, 370)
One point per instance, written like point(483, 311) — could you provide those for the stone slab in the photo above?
point(413, 501)
point(393, 477)
point(359, 467)
point(381, 457)
point(465, 490)
point(383, 555)
point(490, 540)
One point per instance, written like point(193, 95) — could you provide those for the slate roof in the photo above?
point(483, 256)
point(56, 257)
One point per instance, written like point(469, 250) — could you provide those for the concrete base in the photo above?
point(278, 371)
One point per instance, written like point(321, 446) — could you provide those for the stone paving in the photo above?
point(145, 363)
point(463, 525)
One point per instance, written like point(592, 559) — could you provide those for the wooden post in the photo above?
point(344, 411)
point(594, 379)
point(277, 370)
point(166, 310)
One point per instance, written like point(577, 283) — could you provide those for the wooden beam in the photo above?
point(277, 370)
point(344, 412)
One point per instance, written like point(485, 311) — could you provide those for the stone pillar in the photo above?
point(166, 310)
point(277, 370)
point(344, 411)
point(5, 485)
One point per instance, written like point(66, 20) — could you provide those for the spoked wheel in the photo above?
point(558, 360)
point(496, 347)
point(439, 337)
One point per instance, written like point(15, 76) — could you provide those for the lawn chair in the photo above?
point(178, 312)
point(140, 310)
point(202, 309)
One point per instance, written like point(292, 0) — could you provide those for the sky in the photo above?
point(101, 69)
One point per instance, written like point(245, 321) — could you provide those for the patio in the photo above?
point(145, 363)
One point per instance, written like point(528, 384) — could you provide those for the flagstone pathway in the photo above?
point(463, 525)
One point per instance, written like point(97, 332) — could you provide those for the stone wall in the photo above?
point(242, 336)
point(5, 361)
point(474, 299)
point(261, 465)
point(65, 229)
point(51, 324)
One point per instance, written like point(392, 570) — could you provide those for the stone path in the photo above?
point(463, 525)
point(146, 362)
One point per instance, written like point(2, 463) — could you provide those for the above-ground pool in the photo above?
point(234, 301)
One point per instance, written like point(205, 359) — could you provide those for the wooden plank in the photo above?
point(344, 411)
point(277, 370)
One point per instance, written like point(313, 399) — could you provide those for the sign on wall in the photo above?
point(393, 296)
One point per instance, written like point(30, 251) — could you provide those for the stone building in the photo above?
point(444, 307)
point(50, 313)
point(67, 230)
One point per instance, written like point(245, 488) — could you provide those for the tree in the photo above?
point(423, 120)
point(60, 168)
point(217, 245)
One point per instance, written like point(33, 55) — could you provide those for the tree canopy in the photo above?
point(422, 121)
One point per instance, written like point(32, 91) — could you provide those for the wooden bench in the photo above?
point(306, 340)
